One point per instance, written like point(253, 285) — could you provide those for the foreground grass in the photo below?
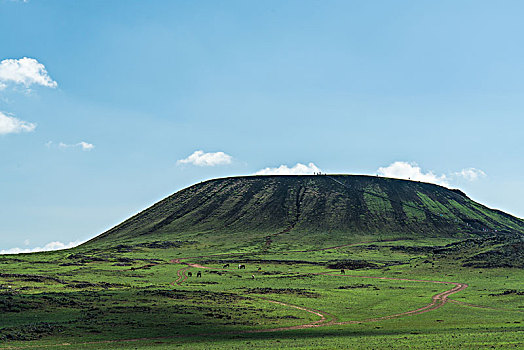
point(116, 297)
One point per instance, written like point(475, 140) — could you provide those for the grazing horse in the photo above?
point(199, 274)
point(253, 276)
point(259, 269)
point(190, 274)
point(226, 265)
point(241, 266)
point(343, 272)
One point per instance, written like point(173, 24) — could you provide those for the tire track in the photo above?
point(181, 276)
point(437, 301)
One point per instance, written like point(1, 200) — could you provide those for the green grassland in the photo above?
point(85, 297)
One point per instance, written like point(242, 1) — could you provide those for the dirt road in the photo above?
point(438, 300)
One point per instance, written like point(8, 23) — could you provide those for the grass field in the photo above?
point(142, 297)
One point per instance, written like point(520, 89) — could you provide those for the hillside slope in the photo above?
point(255, 206)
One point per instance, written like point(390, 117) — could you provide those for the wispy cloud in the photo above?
point(84, 146)
point(12, 125)
point(56, 245)
point(411, 171)
point(24, 71)
point(201, 158)
point(470, 174)
point(297, 169)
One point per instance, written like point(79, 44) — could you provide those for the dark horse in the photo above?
point(241, 266)
point(189, 274)
point(343, 272)
point(226, 265)
point(199, 274)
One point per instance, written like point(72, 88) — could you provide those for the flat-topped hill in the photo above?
point(347, 205)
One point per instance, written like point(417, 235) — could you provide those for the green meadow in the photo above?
point(129, 298)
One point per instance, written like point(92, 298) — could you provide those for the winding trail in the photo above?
point(181, 276)
point(438, 300)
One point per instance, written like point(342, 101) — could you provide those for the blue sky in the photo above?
point(114, 97)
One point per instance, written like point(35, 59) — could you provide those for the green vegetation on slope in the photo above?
point(242, 211)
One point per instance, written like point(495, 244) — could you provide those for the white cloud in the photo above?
point(86, 146)
point(202, 158)
point(298, 169)
point(56, 245)
point(12, 125)
point(405, 170)
point(470, 174)
point(25, 71)
point(83, 145)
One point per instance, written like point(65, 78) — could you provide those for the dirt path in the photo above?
point(181, 276)
point(438, 300)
